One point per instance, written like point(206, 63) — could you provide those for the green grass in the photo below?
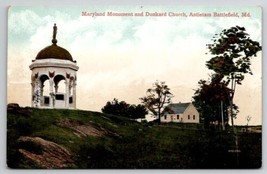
point(138, 145)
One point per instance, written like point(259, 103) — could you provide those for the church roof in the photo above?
point(54, 51)
point(177, 108)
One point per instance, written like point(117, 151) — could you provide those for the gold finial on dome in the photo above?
point(54, 40)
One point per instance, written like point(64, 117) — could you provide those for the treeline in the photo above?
point(121, 108)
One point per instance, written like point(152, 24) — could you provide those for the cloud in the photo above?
point(23, 22)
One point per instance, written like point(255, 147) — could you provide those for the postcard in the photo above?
point(134, 87)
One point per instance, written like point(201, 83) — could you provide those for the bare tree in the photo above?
point(248, 119)
point(158, 97)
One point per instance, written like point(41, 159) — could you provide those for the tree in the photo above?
point(158, 97)
point(211, 100)
point(232, 51)
point(137, 111)
point(116, 108)
point(124, 109)
point(248, 118)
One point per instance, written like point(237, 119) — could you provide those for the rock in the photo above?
point(82, 130)
point(52, 156)
point(12, 106)
point(15, 108)
point(79, 129)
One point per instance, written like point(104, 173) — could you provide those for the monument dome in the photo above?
point(54, 77)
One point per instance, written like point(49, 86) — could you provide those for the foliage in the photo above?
point(124, 109)
point(212, 99)
point(232, 51)
point(37, 95)
point(158, 97)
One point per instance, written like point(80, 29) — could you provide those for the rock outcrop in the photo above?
point(16, 109)
point(82, 130)
point(52, 155)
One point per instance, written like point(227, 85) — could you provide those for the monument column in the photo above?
point(74, 94)
point(56, 88)
point(67, 94)
point(32, 96)
point(41, 93)
point(52, 95)
point(36, 93)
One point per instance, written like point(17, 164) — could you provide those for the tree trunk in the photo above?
point(232, 120)
point(159, 117)
point(231, 102)
point(223, 128)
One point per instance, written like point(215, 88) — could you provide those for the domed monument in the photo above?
point(54, 77)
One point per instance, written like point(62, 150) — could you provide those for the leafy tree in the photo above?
point(232, 51)
point(211, 100)
point(158, 97)
point(124, 109)
point(116, 108)
point(137, 111)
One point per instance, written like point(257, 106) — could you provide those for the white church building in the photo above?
point(180, 113)
point(53, 78)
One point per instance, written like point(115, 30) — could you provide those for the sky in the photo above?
point(120, 57)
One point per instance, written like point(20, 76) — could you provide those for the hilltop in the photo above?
point(61, 138)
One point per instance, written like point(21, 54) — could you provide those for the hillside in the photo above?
point(50, 138)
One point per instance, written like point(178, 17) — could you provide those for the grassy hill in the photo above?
point(59, 138)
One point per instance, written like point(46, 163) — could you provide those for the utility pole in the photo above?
point(223, 127)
